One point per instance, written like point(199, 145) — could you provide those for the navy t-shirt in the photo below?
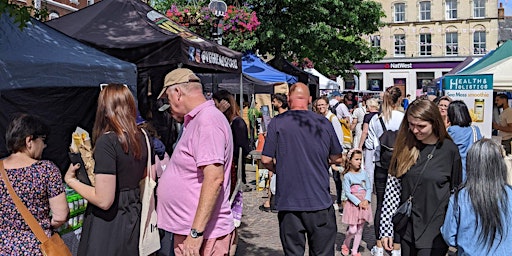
point(301, 142)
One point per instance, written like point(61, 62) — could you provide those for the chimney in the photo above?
point(501, 12)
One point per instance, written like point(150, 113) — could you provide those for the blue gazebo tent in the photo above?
point(254, 66)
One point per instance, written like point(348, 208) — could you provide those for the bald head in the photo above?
point(299, 97)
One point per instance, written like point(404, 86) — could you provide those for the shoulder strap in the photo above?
point(429, 156)
point(22, 209)
point(336, 105)
point(382, 123)
point(331, 117)
point(148, 166)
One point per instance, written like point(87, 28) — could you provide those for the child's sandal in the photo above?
point(344, 250)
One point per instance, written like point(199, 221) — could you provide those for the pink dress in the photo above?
point(352, 214)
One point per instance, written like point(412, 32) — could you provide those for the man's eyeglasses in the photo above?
point(103, 86)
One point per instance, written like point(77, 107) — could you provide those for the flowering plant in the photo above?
point(305, 63)
point(238, 24)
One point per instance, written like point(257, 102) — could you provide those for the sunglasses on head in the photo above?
point(103, 86)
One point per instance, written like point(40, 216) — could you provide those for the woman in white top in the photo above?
point(322, 108)
point(357, 123)
point(392, 118)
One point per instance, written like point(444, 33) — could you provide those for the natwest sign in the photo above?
point(399, 65)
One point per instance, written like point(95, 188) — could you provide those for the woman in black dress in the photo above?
point(112, 218)
point(420, 132)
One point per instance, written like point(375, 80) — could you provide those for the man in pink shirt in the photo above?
point(193, 192)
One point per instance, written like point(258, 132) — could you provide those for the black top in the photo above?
point(443, 172)
point(368, 117)
point(240, 137)
point(110, 159)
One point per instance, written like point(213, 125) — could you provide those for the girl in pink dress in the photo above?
point(357, 210)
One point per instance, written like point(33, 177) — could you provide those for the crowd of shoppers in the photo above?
point(438, 163)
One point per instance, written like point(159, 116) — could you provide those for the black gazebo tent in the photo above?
point(133, 31)
point(51, 75)
point(285, 66)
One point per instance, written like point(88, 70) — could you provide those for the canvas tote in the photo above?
point(149, 239)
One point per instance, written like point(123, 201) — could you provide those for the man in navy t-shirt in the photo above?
point(302, 143)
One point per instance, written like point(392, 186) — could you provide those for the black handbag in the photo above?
point(403, 214)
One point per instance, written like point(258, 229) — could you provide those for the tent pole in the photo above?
point(241, 95)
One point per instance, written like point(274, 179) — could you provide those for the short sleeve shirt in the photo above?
point(505, 119)
point(206, 140)
point(301, 142)
point(110, 158)
point(35, 185)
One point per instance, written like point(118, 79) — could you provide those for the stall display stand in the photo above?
point(72, 229)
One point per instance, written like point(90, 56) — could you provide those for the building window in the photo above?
point(424, 80)
point(425, 45)
point(452, 43)
point(375, 41)
point(425, 10)
point(479, 45)
point(399, 12)
point(400, 45)
point(90, 2)
point(479, 8)
point(451, 9)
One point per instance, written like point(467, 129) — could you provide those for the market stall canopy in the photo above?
point(287, 67)
point(498, 63)
point(133, 31)
point(46, 73)
point(467, 62)
point(325, 83)
point(254, 66)
point(231, 82)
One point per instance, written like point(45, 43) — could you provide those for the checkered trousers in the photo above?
point(390, 205)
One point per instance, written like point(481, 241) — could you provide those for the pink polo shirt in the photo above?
point(206, 140)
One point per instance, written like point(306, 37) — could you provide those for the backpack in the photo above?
point(333, 108)
point(345, 127)
point(387, 144)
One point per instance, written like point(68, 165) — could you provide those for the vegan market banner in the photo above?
point(476, 92)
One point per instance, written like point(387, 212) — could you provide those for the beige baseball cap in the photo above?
point(178, 76)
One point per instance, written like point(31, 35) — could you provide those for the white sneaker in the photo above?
point(376, 251)
point(336, 207)
point(396, 252)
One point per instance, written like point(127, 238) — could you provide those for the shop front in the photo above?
point(411, 76)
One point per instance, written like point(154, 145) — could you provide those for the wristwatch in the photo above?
point(195, 234)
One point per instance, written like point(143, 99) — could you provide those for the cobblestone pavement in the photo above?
point(259, 231)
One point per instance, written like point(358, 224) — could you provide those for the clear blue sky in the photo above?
point(508, 6)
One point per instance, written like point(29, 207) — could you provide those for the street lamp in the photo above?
point(218, 8)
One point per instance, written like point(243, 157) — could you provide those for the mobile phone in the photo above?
point(81, 173)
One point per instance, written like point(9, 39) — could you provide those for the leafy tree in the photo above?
point(21, 13)
point(328, 32)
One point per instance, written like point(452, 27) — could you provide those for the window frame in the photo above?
point(400, 47)
point(375, 41)
point(481, 50)
point(425, 14)
point(450, 11)
point(399, 13)
point(449, 36)
point(425, 48)
point(480, 9)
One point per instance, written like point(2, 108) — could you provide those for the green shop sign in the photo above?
point(468, 82)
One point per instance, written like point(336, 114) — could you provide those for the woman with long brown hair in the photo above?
point(112, 218)
point(391, 116)
point(426, 166)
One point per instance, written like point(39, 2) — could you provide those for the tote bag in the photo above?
point(149, 239)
